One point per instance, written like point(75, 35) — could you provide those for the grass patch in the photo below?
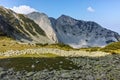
point(92, 49)
point(50, 55)
point(113, 48)
point(59, 46)
point(109, 66)
point(7, 43)
point(39, 63)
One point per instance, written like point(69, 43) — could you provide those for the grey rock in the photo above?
point(1, 69)
point(89, 77)
point(43, 21)
point(2, 74)
point(79, 33)
point(30, 74)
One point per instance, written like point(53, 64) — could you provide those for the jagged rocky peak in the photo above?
point(79, 33)
point(43, 21)
point(36, 15)
point(64, 19)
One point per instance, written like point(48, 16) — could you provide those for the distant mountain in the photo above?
point(78, 33)
point(39, 28)
point(20, 27)
point(43, 21)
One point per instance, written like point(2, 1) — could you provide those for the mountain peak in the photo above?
point(36, 13)
point(64, 19)
point(64, 16)
point(43, 21)
point(2, 7)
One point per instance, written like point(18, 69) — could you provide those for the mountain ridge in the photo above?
point(39, 28)
point(83, 30)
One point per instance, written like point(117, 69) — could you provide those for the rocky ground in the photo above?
point(101, 66)
point(105, 68)
point(81, 74)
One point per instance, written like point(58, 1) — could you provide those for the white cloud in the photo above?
point(23, 9)
point(90, 9)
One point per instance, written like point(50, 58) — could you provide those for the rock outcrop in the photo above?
point(43, 21)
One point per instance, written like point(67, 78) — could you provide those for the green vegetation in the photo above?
point(37, 62)
point(49, 55)
point(113, 48)
point(92, 49)
point(7, 43)
point(107, 65)
point(60, 46)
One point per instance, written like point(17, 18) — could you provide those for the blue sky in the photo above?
point(104, 12)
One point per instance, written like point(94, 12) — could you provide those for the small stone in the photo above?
point(61, 62)
point(1, 69)
point(2, 74)
point(89, 77)
point(65, 75)
point(29, 74)
point(33, 66)
point(37, 61)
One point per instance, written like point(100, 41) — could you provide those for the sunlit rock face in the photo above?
point(43, 21)
point(78, 33)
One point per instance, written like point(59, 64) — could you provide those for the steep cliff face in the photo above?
point(20, 27)
point(78, 33)
point(43, 21)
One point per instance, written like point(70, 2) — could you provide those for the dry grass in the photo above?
point(7, 43)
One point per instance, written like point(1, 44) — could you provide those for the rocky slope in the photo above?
point(78, 33)
point(100, 68)
point(43, 21)
point(20, 27)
